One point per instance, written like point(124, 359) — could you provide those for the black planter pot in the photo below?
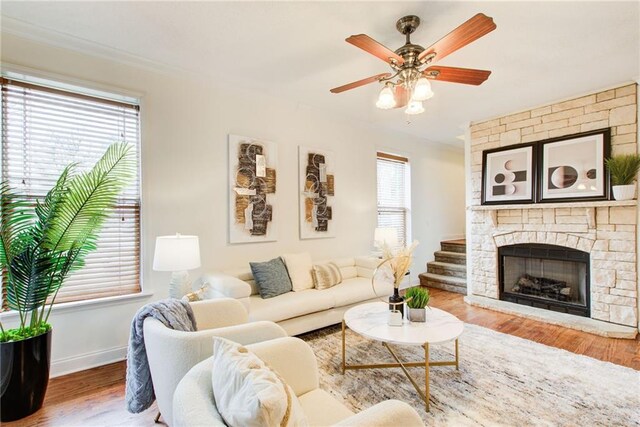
point(24, 376)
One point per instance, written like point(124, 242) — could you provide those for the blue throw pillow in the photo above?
point(271, 277)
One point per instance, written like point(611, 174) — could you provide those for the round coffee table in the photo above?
point(370, 321)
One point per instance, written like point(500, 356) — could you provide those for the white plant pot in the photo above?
point(624, 192)
point(395, 318)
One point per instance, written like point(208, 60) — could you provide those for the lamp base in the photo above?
point(180, 284)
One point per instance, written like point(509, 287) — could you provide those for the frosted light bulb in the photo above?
point(422, 90)
point(386, 99)
point(414, 107)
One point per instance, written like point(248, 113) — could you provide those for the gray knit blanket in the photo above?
point(174, 314)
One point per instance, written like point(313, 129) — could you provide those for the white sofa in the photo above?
point(294, 361)
point(302, 311)
point(172, 353)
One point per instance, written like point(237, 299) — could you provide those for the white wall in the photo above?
point(185, 123)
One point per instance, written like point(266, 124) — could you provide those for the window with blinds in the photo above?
point(46, 128)
point(394, 194)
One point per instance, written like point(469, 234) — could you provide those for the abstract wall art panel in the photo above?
point(317, 189)
point(252, 190)
point(572, 167)
point(508, 175)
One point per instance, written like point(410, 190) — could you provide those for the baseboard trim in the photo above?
point(85, 361)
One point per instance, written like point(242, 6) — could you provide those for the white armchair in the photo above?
point(293, 359)
point(172, 353)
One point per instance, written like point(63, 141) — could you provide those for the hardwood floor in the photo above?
point(618, 351)
point(96, 397)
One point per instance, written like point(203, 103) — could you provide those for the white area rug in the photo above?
point(503, 381)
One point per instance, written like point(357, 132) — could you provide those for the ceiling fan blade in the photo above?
point(401, 96)
point(359, 83)
point(467, 76)
point(368, 44)
point(466, 33)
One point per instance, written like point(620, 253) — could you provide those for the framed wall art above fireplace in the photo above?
point(508, 175)
point(572, 168)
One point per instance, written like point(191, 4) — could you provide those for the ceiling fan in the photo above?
point(408, 84)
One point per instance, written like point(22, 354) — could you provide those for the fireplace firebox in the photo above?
point(545, 276)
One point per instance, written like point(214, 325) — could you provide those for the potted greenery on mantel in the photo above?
point(624, 171)
point(39, 246)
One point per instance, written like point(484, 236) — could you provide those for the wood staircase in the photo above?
point(449, 270)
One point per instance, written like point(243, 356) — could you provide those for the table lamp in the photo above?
point(177, 254)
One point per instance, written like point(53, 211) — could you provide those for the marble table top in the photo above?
point(370, 320)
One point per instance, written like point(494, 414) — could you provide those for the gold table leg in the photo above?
point(404, 369)
point(403, 365)
point(344, 363)
point(426, 376)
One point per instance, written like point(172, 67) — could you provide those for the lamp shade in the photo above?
point(385, 235)
point(176, 253)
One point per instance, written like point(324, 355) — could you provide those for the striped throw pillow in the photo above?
point(326, 275)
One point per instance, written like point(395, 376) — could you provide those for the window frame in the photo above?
point(384, 155)
point(99, 92)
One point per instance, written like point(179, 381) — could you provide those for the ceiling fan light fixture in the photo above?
point(414, 107)
point(422, 90)
point(386, 100)
point(413, 66)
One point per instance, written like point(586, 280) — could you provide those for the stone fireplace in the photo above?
point(600, 283)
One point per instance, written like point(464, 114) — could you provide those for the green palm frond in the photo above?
point(41, 245)
point(47, 209)
point(84, 206)
point(29, 277)
point(16, 217)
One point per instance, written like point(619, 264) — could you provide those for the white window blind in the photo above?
point(393, 194)
point(45, 129)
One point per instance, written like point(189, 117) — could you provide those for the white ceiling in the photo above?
point(540, 52)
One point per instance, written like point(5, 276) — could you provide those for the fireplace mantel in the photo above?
point(604, 203)
point(589, 208)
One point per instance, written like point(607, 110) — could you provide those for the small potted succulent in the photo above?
point(417, 301)
point(623, 170)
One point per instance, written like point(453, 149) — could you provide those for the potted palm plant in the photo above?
point(623, 170)
point(417, 300)
point(40, 244)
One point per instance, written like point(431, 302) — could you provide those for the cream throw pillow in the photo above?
point(326, 275)
point(299, 267)
point(248, 393)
